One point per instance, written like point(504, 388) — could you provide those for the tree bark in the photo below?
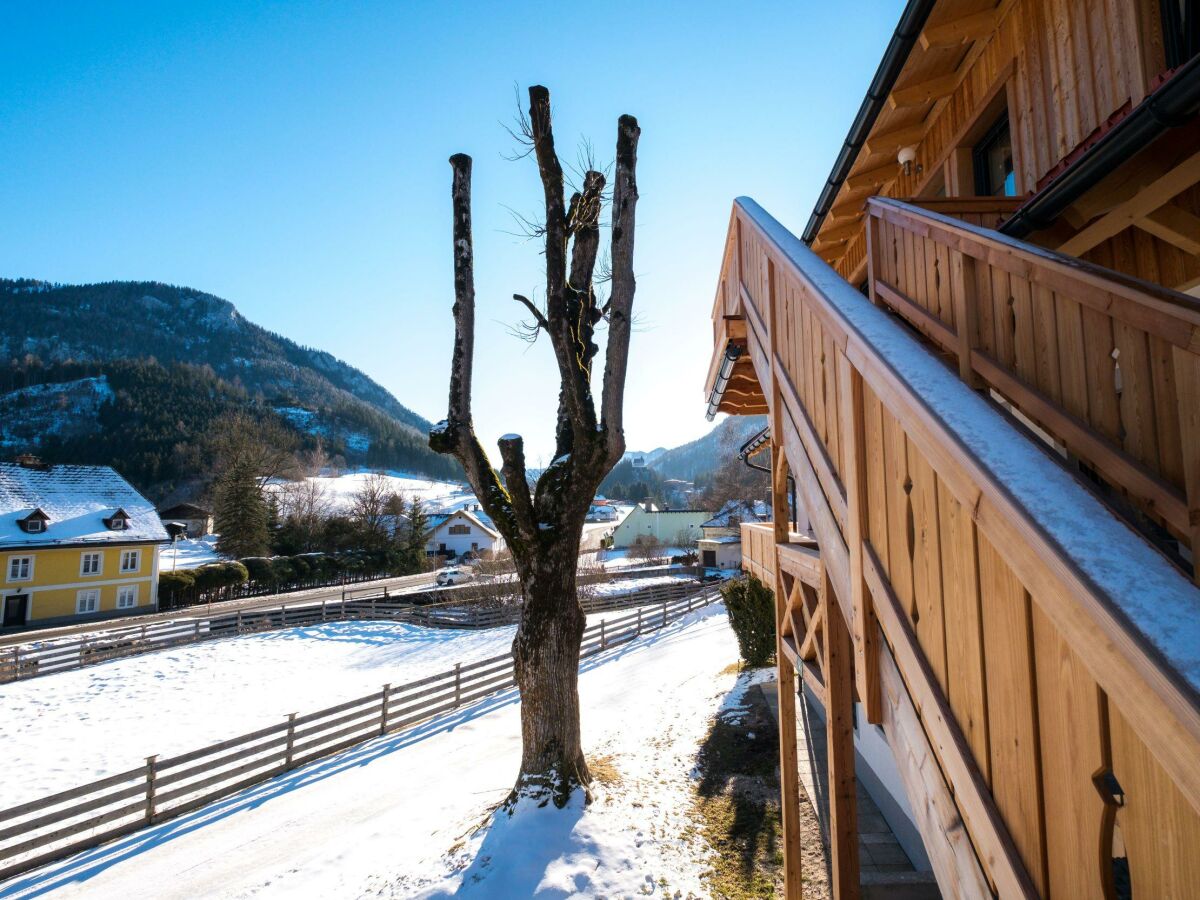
point(543, 527)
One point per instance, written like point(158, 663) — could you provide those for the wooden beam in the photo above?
point(890, 142)
point(951, 854)
point(803, 563)
point(927, 91)
point(1139, 206)
point(789, 757)
point(957, 31)
point(837, 663)
point(873, 178)
point(809, 644)
point(1175, 225)
point(840, 232)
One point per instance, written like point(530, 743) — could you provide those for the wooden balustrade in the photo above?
point(1005, 627)
point(1107, 366)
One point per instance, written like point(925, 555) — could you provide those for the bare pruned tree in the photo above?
point(543, 523)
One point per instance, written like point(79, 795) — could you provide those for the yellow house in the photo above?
point(76, 543)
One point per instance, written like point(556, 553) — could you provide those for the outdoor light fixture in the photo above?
point(907, 159)
point(732, 352)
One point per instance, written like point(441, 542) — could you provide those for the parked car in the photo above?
point(454, 576)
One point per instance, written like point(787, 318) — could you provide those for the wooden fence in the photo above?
point(47, 657)
point(83, 817)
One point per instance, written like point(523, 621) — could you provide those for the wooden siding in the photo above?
point(1062, 70)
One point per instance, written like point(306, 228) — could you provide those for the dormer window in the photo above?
point(118, 521)
point(34, 523)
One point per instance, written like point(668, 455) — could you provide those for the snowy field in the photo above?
point(190, 553)
point(340, 489)
point(399, 816)
point(625, 559)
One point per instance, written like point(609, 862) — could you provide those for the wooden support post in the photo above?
point(151, 780)
point(873, 239)
point(383, 709)
point(966, 309)
point(291, 741)
point(838, 669)
point(862, 628)
point(1187, 389)
point(789, 759)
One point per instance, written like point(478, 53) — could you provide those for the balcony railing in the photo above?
point(1033, 662)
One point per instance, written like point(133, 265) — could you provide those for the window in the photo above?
point(131, 560)
point(992, 160)
point(127, 596)
point(20, 568)
point(460, 529)
point(91, 563)
point(87, 601)
point(33, 526)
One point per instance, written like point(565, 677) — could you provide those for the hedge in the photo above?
point(751, 607)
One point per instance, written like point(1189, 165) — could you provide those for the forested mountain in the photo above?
point(132, 374)
point(703, 455)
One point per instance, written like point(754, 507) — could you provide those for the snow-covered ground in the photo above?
point(190, 553)
point(340, 489)
point(397, 817)
point(625, 558)
point(632, 585)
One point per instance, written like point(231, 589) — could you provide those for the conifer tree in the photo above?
point(240, 513)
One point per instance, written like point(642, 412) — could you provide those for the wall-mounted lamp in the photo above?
point(908, 159)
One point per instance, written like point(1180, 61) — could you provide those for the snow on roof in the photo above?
point(476, 517)
point(77, 500)
point(743, 510)
point(1131, 575)
point(724, 539)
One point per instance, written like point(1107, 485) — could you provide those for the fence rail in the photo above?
point(55, 826)
point(47, 657)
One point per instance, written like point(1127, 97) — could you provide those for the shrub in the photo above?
point(282, 570)
point(258, 569)
point(209, 577)
point(751, 608)
point(234, 573)
point(172, 585)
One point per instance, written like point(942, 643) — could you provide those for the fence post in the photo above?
point(639, 621)
point(196, 632)
point(603, 639)
point(457, 683)
point(291, 740)
point(239, 621)
point(383, 713)
point(373, 602)
point(322, 609)
point(343, 604)
point(664, 624)
point(151, 778)
point(16, 663)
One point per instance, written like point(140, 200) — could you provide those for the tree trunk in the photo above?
point(546, 657)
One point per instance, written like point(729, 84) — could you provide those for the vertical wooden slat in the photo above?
point(927, 564)
point(965, 686)
point(1012, 708)
point(1187, 391)
point(1072, 752)
point(963, 292)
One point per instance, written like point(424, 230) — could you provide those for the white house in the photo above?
point(462, 531)
point(723, 552)
point(673, 527)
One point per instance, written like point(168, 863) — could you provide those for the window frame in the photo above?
point(83, 558)
point(27, 557)
point(460, 528)
point(35, 526)
point(137, 561)
point(88, 593)
point(979, 153)
point(130, 590)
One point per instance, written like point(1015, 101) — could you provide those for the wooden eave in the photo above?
point(951, 40)
point(743, 396)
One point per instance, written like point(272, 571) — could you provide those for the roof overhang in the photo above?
point(732, 386)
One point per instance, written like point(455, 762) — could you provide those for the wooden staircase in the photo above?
point(963, 445)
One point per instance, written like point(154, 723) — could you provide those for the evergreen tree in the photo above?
point(240, 515)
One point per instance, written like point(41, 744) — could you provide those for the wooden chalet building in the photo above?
point(981, 364)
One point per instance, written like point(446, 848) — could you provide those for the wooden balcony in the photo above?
point(1033, 662)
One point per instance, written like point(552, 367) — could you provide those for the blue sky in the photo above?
point(291, 157)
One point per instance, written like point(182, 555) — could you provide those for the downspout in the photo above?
point(756, 443)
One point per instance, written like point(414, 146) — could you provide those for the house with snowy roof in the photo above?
point(673, 527)
point(462, 532)
point(76, 542)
